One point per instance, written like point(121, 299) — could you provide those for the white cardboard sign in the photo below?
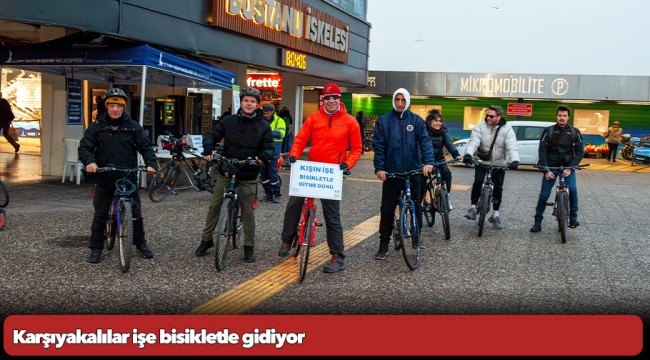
point(316, 180)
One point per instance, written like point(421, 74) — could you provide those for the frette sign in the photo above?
point(290, 23)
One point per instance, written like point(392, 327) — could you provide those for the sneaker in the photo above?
point(471, 213)
point(574, 224)
point(203, 248)
point(284, 249)
point(496, 222)
point(277, 198)
point(336, 264)
point(16, 151)
point(95, 256)
point(249, 254)
point(536, 228)
point(144, 250)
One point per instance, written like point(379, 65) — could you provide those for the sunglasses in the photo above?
point(490, 116)
point(331, 97)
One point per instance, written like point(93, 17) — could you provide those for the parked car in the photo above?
point(528, 135)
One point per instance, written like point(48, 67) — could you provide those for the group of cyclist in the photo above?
point(402, 142)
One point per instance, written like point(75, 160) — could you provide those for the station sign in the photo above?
point(293, 59)
point(520, 109)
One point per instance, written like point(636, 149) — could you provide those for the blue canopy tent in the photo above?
point(92, 56)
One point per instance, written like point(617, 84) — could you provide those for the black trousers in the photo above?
point(5, 132)
point(332, 214)
point(613, 149)
point(102, 203)
point(498, 176)
point(390, 193)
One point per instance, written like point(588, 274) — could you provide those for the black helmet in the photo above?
point(250, 92)
point(115, 95)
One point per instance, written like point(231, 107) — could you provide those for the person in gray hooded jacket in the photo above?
point(505, 147)
point(401, 143)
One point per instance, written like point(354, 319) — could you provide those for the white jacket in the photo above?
point(505, 148)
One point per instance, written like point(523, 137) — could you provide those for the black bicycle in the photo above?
point(229, 226)
point(4, 195)
point(487, 191)
point(367, 140)
point(120, 217)
point(562, 201)
point(435, 198)
point(200, 173)
point(405, 225)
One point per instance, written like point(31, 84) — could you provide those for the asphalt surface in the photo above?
point(603, 268)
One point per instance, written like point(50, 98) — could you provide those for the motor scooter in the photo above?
point(641, 153)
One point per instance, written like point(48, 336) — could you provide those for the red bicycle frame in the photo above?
point(306, 207)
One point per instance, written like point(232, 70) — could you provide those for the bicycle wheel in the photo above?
point(125, 235)
point(367, 145)
point(410, 237)
point(483, 208)
point(236, 226)
point(111, 226)
point(163, 182)
point(397, 229)
point(306, 246)
point(429, 205)
point(443, 208)
point(300, 234)
point(561, 213)
point(221, 235)
point(4, 195)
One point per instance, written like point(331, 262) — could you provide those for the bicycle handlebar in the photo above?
point(404, 175)
point(561, 168)
point(445, 161)
point(122, 169)
point(479, 162)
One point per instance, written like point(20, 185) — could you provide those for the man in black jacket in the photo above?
point(6, 117)
point(560, 145)
point(115, 139)
point(246, 135)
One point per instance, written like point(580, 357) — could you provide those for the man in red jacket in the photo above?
point(330, 129)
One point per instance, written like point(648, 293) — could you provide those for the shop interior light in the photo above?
point(578, 101)
point(623, 102)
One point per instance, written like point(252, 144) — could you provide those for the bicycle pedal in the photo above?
point(319, 224)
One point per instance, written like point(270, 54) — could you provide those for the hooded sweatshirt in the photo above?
point(401, 142)
point(614, 134)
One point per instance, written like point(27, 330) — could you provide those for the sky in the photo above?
point(571, 37)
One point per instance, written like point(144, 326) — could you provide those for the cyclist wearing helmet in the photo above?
point(115, 139)
point(246, 135)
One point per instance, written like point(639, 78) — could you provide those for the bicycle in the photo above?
point(306, 234)
point(229, 226)
point(4, 195)
point(119, 225)
point(201, 177)
point(436, 199)
point(367, 140)
point(487, 189)
point(405, 225)
point(561, 203)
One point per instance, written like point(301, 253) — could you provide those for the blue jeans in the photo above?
point(547, 186)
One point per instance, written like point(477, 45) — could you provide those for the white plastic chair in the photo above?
point(70, 151)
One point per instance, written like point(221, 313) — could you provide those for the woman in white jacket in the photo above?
point(505, 147)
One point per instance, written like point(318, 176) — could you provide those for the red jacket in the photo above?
point(330, 136)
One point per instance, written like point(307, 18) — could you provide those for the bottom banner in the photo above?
point(59, 335)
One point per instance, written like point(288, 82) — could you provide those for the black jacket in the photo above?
point(244, 137)
point(440, 139)
point(6, 115)
point(562, 147)
point(103, 145)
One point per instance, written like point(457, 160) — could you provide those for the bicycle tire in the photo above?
point(221, 233)
point(410, 237)
point(397, 232)
point(428, 205)
point(443, 208)
point(484, 206)
point(164, 182)
point(561, 213)
point(111, 226)
point(125, 236)
point(235, 225)
point(306, 246)
point(4, 195)
point(367, 145)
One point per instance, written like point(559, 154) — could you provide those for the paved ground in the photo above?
point(603, 269)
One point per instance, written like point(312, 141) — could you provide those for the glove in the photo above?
point(344, 166)
point(467, 159)
point(292, 159)
point(514, 165)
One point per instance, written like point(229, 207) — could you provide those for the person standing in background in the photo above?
point(271, 181)
point(6, 117)
point(101, 108)
point(613, 137)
